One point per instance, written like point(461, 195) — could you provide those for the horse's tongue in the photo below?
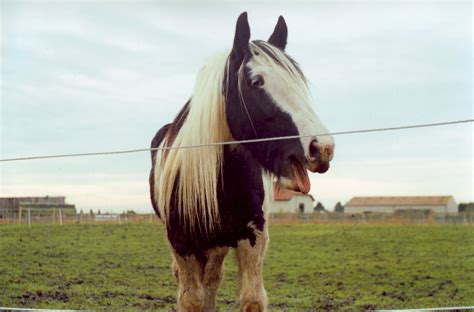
point(301, 178)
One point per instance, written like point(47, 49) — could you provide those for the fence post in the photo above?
point(29, 218)
point(19, 215)
point(54, 215)
point(60, 217)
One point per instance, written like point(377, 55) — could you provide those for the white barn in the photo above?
point(285, 201)
point(385, 204)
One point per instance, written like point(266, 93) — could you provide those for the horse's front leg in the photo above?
point(250, 258)
point(189, 273)
point(213, 274)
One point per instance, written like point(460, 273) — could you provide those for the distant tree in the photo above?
point(128, 213)
point(98, 212)
point(339, 207)
point(319, 207)
point(463, 207)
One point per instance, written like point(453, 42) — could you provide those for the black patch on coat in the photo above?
point(177, 124)
point(157, 139)
point(240, 199)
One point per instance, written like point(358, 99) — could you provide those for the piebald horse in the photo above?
point(217, 197)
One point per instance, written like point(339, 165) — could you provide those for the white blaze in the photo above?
point(290, 93)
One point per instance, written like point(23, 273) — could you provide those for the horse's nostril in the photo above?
point(314, 149)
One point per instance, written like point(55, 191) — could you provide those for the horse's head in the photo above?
point(267, 96)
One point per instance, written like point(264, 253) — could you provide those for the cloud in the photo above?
point(94, 76)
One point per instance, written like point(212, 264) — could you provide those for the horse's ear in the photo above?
point(241, 39)
point(280, 34)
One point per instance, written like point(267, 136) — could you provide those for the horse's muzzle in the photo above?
point(319, 156)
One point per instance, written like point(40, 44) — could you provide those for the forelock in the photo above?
point(263, 52)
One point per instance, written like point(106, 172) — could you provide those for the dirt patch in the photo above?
point(368, 307)
point(228, 301)
point(279, 305)
point(330, 304)
point(153, 302)
point(32, 297)
point(396, 295)
point(281, 277)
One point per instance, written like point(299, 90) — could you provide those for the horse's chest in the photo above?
point(240, 197)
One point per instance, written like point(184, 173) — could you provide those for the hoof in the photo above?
point(252, 307)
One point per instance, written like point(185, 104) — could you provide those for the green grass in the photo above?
point(308, 267)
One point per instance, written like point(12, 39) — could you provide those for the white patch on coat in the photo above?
point(289, 91)
point(267, 179)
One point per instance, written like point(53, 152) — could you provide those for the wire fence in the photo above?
point(406, 218)
point(60, 218)
point(57, 217)
point(359, 131)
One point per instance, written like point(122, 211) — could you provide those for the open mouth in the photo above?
point(301, 181)
point(296, 168)
point(296, 178)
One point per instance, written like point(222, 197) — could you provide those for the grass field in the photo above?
point(308, 267)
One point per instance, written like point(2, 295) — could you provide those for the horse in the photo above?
point(216, 197)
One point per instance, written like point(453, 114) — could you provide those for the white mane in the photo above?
point(199, 169)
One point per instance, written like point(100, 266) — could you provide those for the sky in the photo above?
point(98, 76)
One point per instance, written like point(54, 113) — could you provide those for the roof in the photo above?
point(30, 197)
point(399, 201)
point(283, 194)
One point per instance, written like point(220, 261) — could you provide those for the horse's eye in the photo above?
point(257, 81)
